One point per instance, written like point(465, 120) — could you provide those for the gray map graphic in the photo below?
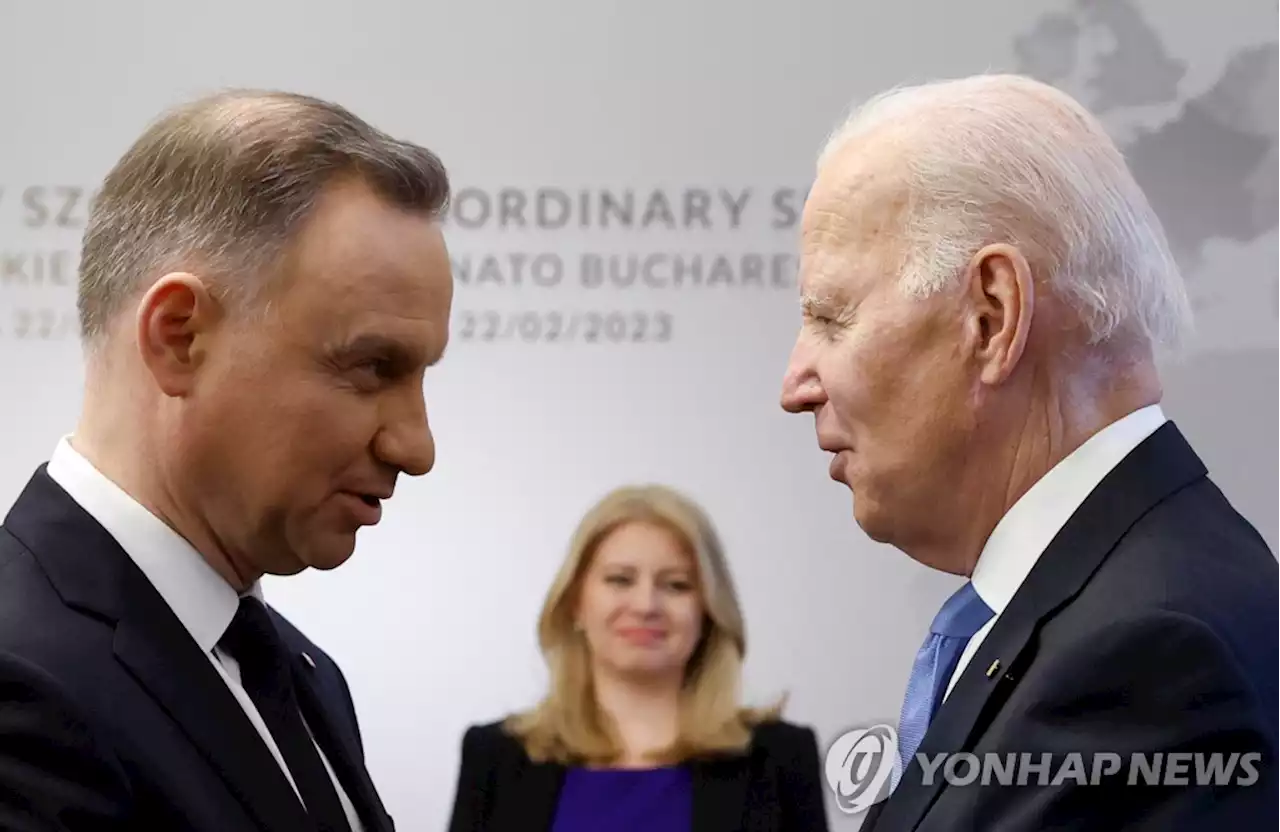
point(1205, 153)
point(1211, 170)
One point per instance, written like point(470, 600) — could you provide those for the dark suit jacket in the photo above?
point(775, 787)
point(1148, 625)
point(111, 718)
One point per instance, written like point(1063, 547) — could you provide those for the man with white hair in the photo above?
point(984, 289)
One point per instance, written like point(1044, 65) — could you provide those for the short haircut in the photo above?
point(224, 183)
point(1005, 158)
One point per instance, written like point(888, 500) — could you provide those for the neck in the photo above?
point(110, 435)
point(646, 713)
point(1046, 424)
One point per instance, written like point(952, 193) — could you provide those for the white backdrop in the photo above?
point(679, 107)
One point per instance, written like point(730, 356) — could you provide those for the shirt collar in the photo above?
point(200, 598)
point(1029, 527)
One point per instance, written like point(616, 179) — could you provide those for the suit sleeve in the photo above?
point(803, 806)
point(1162, 689)
point(55, 776)
point(471, 798)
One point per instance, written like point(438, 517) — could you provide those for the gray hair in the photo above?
point(1004, 158)
point(222, 184)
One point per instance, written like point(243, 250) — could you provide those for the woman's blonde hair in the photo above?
point(567, 726)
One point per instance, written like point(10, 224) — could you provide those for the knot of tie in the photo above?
point(255, 643)
point(963, 614)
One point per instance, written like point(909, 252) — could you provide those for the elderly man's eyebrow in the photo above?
point(823, 303)
point(811, 304)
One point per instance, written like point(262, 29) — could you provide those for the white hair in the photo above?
point(1004, 158)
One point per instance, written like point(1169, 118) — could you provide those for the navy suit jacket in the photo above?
point(1148, 626)
point(111, 718)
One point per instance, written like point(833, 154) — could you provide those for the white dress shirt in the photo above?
point(198, 596)
point(1030, 525)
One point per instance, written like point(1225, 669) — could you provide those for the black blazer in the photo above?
point(111, 718)
point(775, 787)
point(1148, 625)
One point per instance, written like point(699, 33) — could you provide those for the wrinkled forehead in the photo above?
point(852, 223)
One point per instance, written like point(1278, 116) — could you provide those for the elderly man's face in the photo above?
point(882, 372)
point(298, 424)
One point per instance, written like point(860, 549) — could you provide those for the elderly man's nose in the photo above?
point(801, 390)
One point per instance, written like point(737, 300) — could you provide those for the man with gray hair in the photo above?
point(263, 284)
point(984, 292)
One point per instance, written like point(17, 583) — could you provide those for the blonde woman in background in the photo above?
point(642, 728)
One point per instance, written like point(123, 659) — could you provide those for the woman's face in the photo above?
point(640, 604)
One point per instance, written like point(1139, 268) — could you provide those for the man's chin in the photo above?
point(328, 554)
point(870, 518)
point(331, 560)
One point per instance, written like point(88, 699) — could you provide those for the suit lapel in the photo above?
point(872, 817)
point(531, 806)
point(1161, 465)
point(92, 573)
point(719, 794)
point(340, 750)
point(184, 683)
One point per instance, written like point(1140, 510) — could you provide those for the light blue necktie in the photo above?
point(961, 616)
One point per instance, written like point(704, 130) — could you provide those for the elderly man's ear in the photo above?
point(176, 318)
point(1000, 302)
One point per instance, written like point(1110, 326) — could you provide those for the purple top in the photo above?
point(626, 800)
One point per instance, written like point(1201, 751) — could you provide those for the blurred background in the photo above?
point(641, 165)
